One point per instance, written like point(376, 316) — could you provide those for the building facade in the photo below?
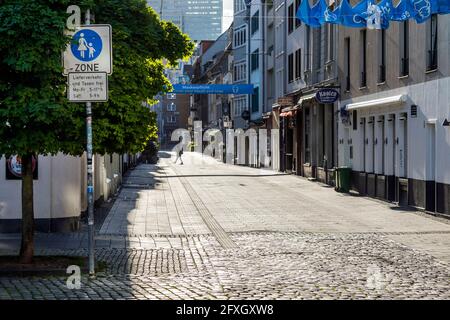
point(395, 102)
point(200, 19)
point(173, 109)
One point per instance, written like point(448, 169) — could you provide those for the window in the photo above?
point(171, 107)
point(240, 71)
point(171, 119)
point(404, 48)
point(239, 105)
point(330, 42)
point(290, 18)
point(347, 63)
point(291, 68)
point(255, 60)
point(432, 43)
point(298, 64)
point(298, 22)
point(318, 50)
point(171, 96)
point(255, 100)
point(239, 36)
point(363, 57)
point(239, 5)
point(255, 22)
point(382, 57)
point(308, 48)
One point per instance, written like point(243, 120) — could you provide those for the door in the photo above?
point(379, 146)
point(347, 161)
point(369, 145)
point(389, 156)
point(363, 143)
point(430, 185)
point(402, 146)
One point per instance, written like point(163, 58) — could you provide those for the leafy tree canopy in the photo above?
point(35, 116)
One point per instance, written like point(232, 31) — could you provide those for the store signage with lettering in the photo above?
point(328, 95)
point(286, 101)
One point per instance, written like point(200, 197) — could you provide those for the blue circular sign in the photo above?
point(86, 45)
point(327, 95)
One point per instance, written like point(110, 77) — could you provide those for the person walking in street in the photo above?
point(179, 152)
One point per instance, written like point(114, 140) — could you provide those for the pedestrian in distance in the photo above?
point(179, 152)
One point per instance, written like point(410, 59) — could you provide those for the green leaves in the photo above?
point(35, 115)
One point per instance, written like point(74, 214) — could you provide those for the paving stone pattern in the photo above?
point(207, 230)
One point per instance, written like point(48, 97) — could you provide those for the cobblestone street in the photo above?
point(207, 230)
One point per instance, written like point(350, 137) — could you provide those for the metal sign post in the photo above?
point(87, 63)
point(90, 184)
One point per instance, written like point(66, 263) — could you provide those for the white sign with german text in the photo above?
point(88, 87)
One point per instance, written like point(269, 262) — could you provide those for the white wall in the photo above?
point(60, 191)
point(56, 192)
point(432, 99)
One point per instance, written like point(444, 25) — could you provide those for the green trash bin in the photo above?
point(343, 175)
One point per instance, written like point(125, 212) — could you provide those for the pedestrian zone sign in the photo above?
point(90, 50)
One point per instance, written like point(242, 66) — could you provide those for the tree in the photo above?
point(35, 116)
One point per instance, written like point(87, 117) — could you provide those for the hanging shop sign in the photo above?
point(369, 13)
point(286, 101)
point(327, 95)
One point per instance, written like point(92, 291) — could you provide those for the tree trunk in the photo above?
point(27, 246)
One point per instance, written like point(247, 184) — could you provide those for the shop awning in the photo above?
point(266, 115)
point(287, 114)
point(306, 98)
point(392, 101)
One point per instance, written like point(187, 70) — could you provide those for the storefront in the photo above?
point(396, 143)
point(317, 138)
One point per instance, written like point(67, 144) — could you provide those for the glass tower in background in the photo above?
point(200, 19)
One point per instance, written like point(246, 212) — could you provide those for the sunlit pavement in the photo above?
point(207, 230)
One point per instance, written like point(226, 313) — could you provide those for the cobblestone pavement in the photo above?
point(212, 231)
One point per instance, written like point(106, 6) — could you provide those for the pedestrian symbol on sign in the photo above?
point(86, 45)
